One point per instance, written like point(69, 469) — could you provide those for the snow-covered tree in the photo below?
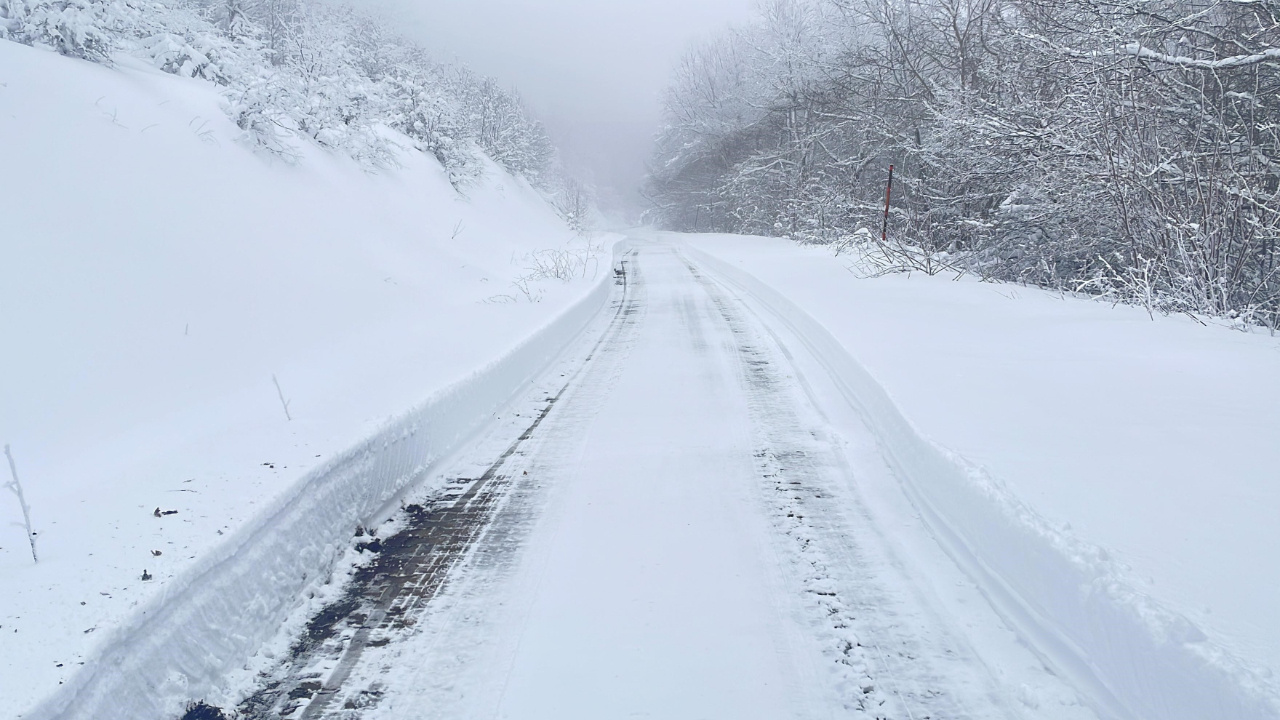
point(79, 28)
point(305, 71)
point(1125, 147)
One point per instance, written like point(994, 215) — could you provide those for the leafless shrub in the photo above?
point(573, 261)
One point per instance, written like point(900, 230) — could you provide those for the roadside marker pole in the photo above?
point(884, 229)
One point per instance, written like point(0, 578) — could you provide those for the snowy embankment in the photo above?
point(1110, 480)
point(157, 275)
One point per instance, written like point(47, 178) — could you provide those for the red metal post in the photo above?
point(884, 229)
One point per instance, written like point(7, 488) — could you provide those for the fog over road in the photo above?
point(675, 523)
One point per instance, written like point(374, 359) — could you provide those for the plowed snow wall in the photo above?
point(1141, 660)
point(212, 618)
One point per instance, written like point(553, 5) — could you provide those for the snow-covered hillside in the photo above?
point(158, 273)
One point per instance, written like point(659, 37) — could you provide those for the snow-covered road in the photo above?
point(689, 527)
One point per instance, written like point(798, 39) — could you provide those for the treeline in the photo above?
point(1118, 147)
point(306, 71)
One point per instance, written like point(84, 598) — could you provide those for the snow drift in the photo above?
point(1070, 599)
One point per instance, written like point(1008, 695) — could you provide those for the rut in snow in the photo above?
point(384, 598)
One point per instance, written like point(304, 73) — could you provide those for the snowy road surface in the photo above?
point(679, 522)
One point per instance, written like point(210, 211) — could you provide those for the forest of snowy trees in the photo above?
point(307, 71)
point(1125, 148)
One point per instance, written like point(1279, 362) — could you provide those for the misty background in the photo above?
point(593, 72)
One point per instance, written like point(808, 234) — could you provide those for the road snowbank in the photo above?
point(186, 643)
point(1110, 480)
point(157, 275)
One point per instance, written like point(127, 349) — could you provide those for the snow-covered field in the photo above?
point(1113, 480)
point(157, 274)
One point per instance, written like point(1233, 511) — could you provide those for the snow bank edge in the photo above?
point(1067, 597)
point(210, 619)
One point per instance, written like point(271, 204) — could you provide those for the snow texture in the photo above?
point(213, 617)
point(1069, 598)
point(158, 273)
point(681, 540)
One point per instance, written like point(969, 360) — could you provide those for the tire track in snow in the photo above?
point(432, 674)
point(385, 598)
point(881, 647)
point(890, 658)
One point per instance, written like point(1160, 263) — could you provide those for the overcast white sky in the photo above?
point(593, 70)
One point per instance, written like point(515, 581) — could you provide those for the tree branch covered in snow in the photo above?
point(1127, 148)
point(1226, 63)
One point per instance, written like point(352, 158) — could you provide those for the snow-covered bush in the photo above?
point(572, 200)
point(79, 28)
point(423, 109)
point(179, 40)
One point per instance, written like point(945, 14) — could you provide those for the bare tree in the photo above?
point(1119, 147)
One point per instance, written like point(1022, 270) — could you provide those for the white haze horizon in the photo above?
point(593, 72)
